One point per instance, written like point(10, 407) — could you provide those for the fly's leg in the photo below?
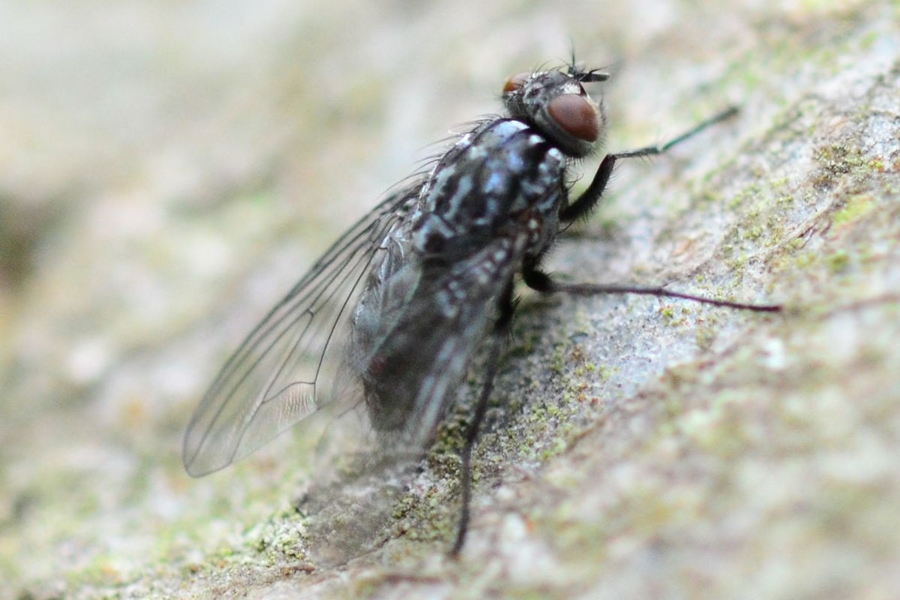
point(498, 338)
point(584, 204)
point(542, 282)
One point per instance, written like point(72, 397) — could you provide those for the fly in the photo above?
point(401, 302)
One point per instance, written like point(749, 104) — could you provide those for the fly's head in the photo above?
point(556, 104)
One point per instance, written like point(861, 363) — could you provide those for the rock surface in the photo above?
point(169, 172)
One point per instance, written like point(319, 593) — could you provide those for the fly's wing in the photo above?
point(426, 345)
point(275, 378)
point(413, 359)
point(486, 275)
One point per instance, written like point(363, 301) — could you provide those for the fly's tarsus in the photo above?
point(660, 149)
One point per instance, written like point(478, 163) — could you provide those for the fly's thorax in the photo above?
point(493, 182)
point(556, 104)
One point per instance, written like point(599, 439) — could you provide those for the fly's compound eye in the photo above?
point(515, 82)
point(576, 116)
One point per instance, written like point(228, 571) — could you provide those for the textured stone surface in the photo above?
point(167, 173)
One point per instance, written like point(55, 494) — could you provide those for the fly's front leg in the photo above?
point(584, 204)
point(535, 278)
point(587, 201)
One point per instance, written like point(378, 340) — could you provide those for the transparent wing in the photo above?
point(276, 376)
point(418, 350)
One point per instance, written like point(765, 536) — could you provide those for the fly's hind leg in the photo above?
point(497, 342)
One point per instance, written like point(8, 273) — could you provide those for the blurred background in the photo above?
point(169, 169)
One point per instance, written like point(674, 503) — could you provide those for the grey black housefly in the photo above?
point(402, 301)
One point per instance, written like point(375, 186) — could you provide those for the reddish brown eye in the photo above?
point(575, 115)
point(515, 82)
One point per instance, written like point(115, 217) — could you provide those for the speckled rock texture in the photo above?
point(167, 172)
